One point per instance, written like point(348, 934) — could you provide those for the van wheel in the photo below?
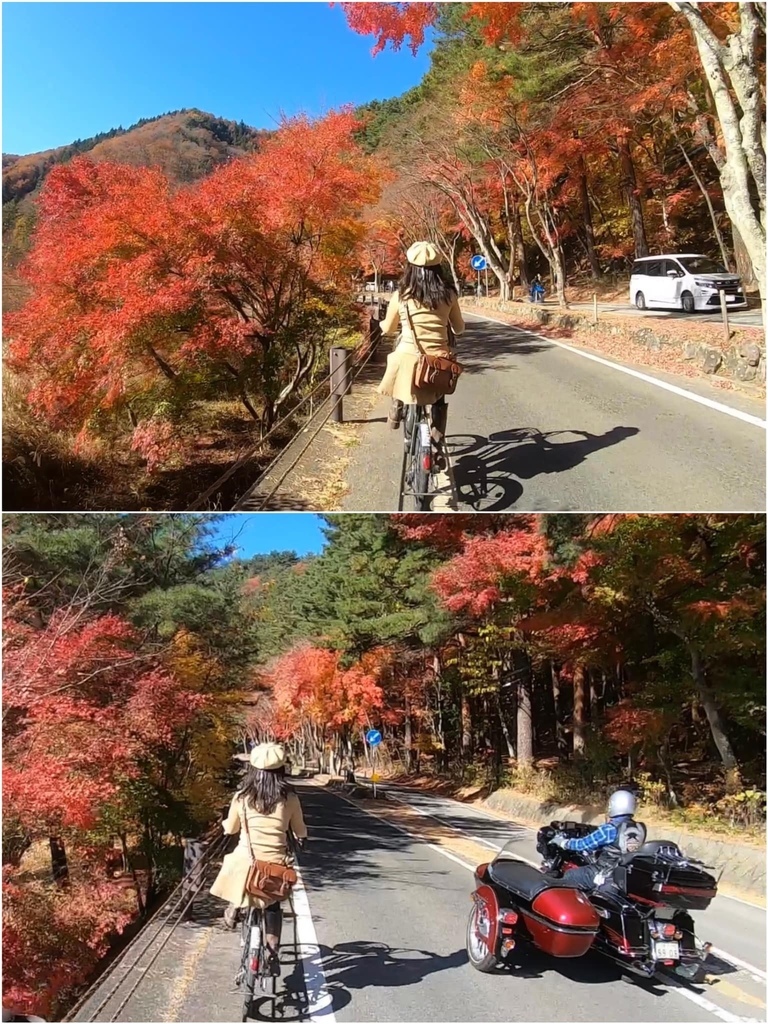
point(689, 306)
point(640, 300)
point(479, 955)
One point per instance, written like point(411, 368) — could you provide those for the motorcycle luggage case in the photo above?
point(654, 880)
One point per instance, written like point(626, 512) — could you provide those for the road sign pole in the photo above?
point(373, 774)
point(486, 280)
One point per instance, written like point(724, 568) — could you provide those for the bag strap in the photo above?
point(413, 329)
point(248, 832)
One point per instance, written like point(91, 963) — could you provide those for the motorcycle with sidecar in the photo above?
point(638, 915)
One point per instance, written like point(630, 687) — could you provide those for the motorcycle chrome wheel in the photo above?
point(479, 924)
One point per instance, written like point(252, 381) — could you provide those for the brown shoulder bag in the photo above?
point(434, 373)
point(266, 881)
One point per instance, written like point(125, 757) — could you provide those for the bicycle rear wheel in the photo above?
point(252, 940)
point(419, 459)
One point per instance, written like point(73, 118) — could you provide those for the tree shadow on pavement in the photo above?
point(485, 468)
point(484, 343)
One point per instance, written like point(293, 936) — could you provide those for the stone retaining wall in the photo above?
point(742, 865)
point(742, 359)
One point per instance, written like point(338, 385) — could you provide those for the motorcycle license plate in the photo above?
point(666, 950)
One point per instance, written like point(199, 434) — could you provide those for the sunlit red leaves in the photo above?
point(391, 23)
point(135, 282)
point(475, 580)
point(61, 940)
point(84, 712)
point(309, 683)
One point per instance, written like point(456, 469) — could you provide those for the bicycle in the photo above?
point(254, 963)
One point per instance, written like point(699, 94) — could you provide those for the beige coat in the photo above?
point(431, 327)
point(268, 842)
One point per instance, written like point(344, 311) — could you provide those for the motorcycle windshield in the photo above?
point(510, 851)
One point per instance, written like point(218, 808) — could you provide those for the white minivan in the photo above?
point(688, 281)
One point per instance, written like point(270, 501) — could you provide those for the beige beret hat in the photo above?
point(268, 756)
point(423, 254)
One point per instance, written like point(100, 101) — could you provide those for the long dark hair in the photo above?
point(264, 790)
point(427, 286)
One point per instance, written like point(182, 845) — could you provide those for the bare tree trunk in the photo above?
point(524, 721)
point(629, 186)
point(130, 867)
point(731, 69)
point(408, 739)
point(708, 200)
point(586, 213)
point(717, 728)
point(579, 707)
point(466, 726)
point(562, 745)
point(594, 707)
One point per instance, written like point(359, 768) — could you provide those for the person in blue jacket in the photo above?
point(618, 835)
point(537, 289)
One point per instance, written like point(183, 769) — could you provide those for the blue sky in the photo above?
point(71, 70)
point(262, 532)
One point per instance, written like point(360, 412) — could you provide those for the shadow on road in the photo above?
point(485, 468)
point(346, 852)
point(484, 343)
point(359, 965)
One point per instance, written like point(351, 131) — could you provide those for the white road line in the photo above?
point(315, 982)
point(710, 403)
point(706, 1004)
point(467, 835)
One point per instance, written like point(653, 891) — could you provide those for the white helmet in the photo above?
point(621, 802)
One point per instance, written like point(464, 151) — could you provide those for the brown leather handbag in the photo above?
point(435, 373)
point(266, 881)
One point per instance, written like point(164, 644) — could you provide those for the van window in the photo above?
point(646, 268)
point(702, 265)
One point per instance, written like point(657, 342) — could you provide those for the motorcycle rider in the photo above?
point(619, 834)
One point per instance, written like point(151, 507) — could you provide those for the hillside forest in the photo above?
point(558, 655)
point(172, 290)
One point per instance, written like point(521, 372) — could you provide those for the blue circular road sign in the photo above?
point(478, 263)
point(373, 737)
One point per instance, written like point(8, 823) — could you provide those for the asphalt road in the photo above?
point(390, 914)
point(534, 426)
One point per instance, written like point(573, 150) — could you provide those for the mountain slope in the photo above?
point(185, 144)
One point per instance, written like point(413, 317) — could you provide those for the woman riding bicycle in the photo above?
point(428, 303)
point(264, 811)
